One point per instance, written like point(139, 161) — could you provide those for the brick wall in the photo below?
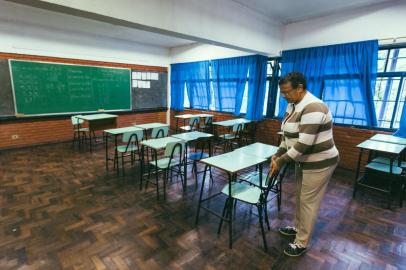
point(43, 131)
point(346, 138)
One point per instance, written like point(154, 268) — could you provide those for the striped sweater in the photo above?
point(308, 135)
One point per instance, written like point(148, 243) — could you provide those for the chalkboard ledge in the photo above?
point(28, 118)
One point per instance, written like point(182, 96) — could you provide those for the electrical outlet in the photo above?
point(15, 137)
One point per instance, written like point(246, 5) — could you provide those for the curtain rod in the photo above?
point(394, 39)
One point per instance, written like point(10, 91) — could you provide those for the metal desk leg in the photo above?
point(142, 166)
point(357, 173)
point(390, 182)
point(156, 175)
point(116, 154)
point(231, 177)
point(185, 169)
point(200, 196)
point(106, 141)
point(90, 140)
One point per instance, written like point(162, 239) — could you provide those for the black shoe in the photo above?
point(288, 231)
point(294, 250)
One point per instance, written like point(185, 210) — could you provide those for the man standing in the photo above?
point(308, 142)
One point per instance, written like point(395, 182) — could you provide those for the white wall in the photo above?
point(200, 52)
point(378, 22)
point(222, 22)
point(19, 36)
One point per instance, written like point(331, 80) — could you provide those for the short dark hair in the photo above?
point(295, 78)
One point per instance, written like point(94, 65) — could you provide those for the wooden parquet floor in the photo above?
point(60, 209)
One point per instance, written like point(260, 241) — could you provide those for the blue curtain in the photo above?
point(229, 79)
point(178, 79)
point(401, 132)
point(195, 76)
point(256, 87)
point(198, 84)
point(342, 75)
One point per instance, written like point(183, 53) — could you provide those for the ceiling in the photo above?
point(285, 11)
point(34, 17)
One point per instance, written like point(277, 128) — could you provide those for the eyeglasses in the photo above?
point(285, 94)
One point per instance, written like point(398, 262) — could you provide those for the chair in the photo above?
point(208, 125)
point(384, 178)
point(252, 178)
point(248, 133)
point(201, 145)
point(193, 124)
point(172, 161)
point(79, 132)
point(159, 132)
point(252, 195)
point(130, 148)
point(229, 139)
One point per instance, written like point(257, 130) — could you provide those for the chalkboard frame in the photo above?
point(66, 113)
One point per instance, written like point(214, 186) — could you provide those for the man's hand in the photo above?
point(274, 166)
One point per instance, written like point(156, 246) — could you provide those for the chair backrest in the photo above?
point(133, 136)
point(194, 121)
point(237, 128)
point(272, 181)
point(160, 132)
point(75, 120)
point(251, 129)
point(173, 149)
point(208, 120)
point(201, 145)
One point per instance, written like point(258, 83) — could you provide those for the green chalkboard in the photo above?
point(49, 88)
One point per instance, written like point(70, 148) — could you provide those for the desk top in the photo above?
point(259, 150)
point(205, 115)
point(233, 161)
point(98, 116)
point(118, 131)
point(159, 143)
point(385, 147)
point(151, 125)
point(187, 116)
point(232, 122)
point(191, 136)
point(389, 139)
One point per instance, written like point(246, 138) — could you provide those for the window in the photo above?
point(389, 94)
point(271, 91)
point(390, 89)
point(186, 102)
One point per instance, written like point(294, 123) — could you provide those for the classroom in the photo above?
point(216, 134)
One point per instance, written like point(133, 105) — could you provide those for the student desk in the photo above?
point(155, 145)
point(188, 116)
point(150, 126)
point(231, 163)
point(99, 121)
point(390, 149)
point(115, 132)
point(258, 149)
point(388, 139)
point(192, 136)
point(188, 137)
point(231, 122)
point(227, 124)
